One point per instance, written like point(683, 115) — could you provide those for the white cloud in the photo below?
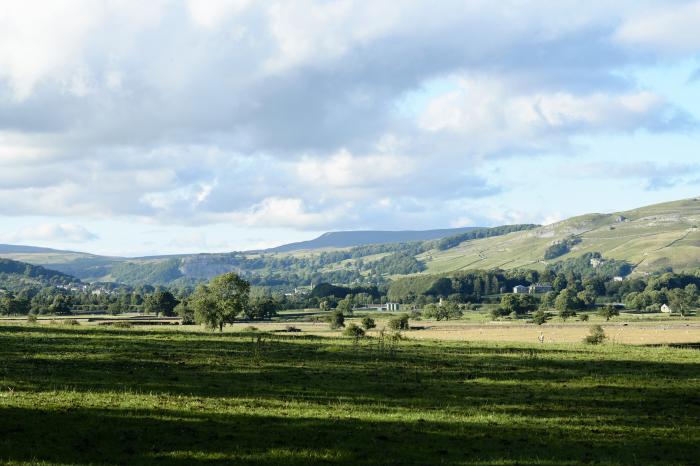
point(283, 113)
point(50, 232)
point(38, 37)
point(667, 27)
point(211, 13)
point(492, 113)
point(289, 212)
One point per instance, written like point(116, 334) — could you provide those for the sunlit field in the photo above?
point(96, 395)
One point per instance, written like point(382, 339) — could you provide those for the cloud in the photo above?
point(287, 113)
point(50, 232)
point(491, 114)
point(668, 27)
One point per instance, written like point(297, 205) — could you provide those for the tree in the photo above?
point(345, 305)
point(399, 323)
point(446, 311)
point(368, 323)
point(261, 308)
point(353, 330)
point(185, 311)
point(608, 312)
point(568, 300)
point(60, 305)
point(160, 302)
point(219, 302)
point(336, 320)
point(450, 310)
point(588, 296)
point(540, 317)
point(518, 303)
point(682, 300)
point(566, 313)
point(596, 335)
point(548, 300)
point(11, 305)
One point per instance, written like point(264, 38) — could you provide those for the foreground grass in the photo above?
point(107, 396)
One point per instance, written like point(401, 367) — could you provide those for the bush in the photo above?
point(540, 317)
point(71, 322)
point(596, 336)
point(122, 324)
point(336, 320)
point(566, 313)
point(399, 323)
point(249, 328)
point(368, 323)
point(291, 328)
point(354, 331)
point(31, 319)
point(583, 317)
point(608, 312)
point(497, 312)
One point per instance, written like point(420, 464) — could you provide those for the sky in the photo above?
point(170, 126)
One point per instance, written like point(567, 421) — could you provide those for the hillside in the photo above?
point(651, 238)
point(347, 239)
point(16, 275)
point(370, 263)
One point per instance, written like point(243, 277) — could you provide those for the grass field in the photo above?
point(91, 395)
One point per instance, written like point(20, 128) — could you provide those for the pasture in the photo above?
point(96, 395)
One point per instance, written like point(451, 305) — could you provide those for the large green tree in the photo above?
point(219, 302)
point(161, 302)
point(682, 300)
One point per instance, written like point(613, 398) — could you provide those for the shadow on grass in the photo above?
point(627, 411)
point(151, 437)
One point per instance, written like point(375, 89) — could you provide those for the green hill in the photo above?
point(15, 275)
point(652, 238)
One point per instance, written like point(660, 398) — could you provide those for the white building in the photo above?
point(520, 289)
point(665, 308)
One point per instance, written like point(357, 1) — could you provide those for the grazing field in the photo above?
point(92, 395)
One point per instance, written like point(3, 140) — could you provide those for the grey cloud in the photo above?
point(170, 110)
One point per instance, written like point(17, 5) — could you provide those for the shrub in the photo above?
point(566, 313)
point(71, 322)
point(608, 312)
point(368, 323)
point(540, 317)
point(31, 319)
point(399, 323)
point(336, 320)
point(354, 331)
point(291, 328)
point(583, 317)
point(497, 312)
point(250, 328)
point(596, 336)
point(122, 324)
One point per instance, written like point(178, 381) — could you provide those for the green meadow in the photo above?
point(78, 395)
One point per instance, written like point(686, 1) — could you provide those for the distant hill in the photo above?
point(348, 239)
point(652, 238)
point(21, 249)
point(16, 275)
point(649, 239)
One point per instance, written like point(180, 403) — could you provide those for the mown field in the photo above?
point(88, 395)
